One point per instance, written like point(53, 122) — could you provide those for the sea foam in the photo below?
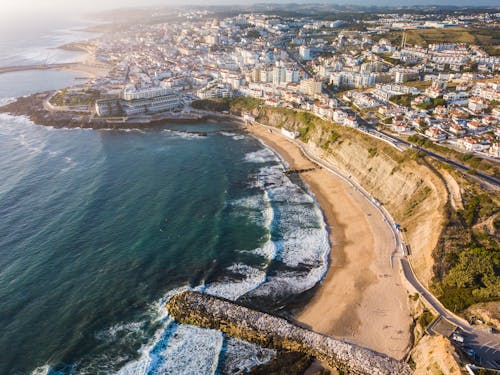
point(296, 238)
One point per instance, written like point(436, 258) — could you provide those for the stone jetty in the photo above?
point(269, 331)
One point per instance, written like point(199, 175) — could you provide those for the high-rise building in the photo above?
point(305, 53)
point(311, 86)
point(292, 75)
point(279, 75)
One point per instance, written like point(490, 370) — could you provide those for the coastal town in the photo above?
point(389, 119)
point(370, 73)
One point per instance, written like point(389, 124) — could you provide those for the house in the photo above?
point(419, 100)
point(400, 127)
point(494, 150)
point(433, 92)
point(351, 121)
point(271, 102)
point(458, 115)
point(488, 120)
point(289, 134)
point(471, 144)
point(419, 122)
point(457, 98)
point(445, 125)
point(440, 110)
point(477, 105)
point(339, 116)
point(435, 134)
point(475, 126)
point(457, 130)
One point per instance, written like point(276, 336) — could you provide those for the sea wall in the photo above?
point(272, 332)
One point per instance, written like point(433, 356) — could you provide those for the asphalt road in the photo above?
point(485, 344)
point(487, 180)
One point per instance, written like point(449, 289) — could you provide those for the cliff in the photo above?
point(409, 188)
point(448, 219)
point(269, 331)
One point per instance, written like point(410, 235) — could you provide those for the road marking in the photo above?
point(492, 365)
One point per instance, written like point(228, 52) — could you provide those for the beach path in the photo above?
point(361, 298)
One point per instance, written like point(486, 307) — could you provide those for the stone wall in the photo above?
point(272, 332)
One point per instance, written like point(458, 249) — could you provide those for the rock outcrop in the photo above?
point(272, 332)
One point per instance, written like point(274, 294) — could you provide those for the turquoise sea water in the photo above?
point(98, 228)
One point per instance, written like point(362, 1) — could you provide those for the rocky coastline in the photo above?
point(207, 311)
point(34, 108)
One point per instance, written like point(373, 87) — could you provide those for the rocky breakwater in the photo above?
point(272, 332)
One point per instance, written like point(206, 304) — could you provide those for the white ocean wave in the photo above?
point(5, 101)
point(146, 354)
point(14, 120)
point(70, 164)
point(264, 155)
point(112, 332)
point(183, 134)
point(230, 289)
point(42, 370)
point(53, 154)
point(234, 136)
point(291, 216)
point(241, 356)
point(303, 241)
point(158, 315)
point(177, 357)
point(132, 130)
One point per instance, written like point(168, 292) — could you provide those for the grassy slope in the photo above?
point(467, 257)
point(488, 38)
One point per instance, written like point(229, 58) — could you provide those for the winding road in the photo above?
point(484, 343)
point(486, 180)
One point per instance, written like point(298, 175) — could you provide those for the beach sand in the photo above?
point(361, 298)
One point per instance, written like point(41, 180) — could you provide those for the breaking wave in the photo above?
point(294, 251)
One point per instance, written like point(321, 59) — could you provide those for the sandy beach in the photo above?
point(361, 298)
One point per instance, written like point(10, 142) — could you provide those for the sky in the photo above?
point(13, 7)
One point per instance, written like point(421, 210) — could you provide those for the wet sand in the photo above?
point(361, 298)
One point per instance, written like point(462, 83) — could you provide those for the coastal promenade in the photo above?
point(361, 299)
point(485, 344)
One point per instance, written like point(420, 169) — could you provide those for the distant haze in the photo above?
point(10, 10)
point(89, 5)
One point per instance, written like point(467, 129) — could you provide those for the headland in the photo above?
point(37, 108)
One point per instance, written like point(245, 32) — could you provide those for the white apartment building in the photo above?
point(149, 93)
point(305, 53)
point(311, 86)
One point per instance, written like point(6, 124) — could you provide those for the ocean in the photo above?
point(99, 228)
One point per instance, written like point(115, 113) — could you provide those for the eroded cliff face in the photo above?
point(414, 195)
point(269, 331)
